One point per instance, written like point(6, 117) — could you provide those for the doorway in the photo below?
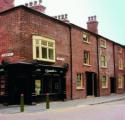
point(91, 84)
point(113, 85)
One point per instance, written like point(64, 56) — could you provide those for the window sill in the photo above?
point(88, 65)
point(105, 88)
point(86, 42)
point(120, 69)
point(80, 88)
point(105, 67)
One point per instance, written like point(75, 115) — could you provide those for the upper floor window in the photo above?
point(119, 49)
point(79, 81)
point(103, 61)
point(104, 81)
point(86, 58)
point(120, 81)
point(120, 64)
point(102, 43)
point(43, 49)
point(85, 37)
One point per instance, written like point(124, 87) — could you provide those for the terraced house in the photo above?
point(41, 54)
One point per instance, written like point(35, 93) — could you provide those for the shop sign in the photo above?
point(7, 54)
point(60, 58)
point(50, 71)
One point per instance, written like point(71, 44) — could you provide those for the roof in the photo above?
point(56, 20)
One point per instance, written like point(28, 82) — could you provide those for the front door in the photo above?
point(112, 85)
point(91, 84)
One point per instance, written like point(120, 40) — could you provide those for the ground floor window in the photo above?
point(79, 81)
point(2, 85)
point(104, 81)
point(37, 87)
point(120, 81)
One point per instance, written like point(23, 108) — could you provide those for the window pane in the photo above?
point(50, 44)
point(85, 37)
point(51, 54)
point(37, 87)
point(43, 42)
point(104, 82)
point(37, 42)
point(37, 52)
point(44, 53)
point(86, 57)
point(79, 80)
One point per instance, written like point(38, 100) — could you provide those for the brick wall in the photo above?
point(117, 70)
point(109, 70)
point(17, 29)
point(78, 46)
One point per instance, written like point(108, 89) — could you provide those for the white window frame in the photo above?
point(106, 85)
point(120, 81)
point(119, 49)
point(105, 60)
point(120, 64)
point(81, 86)
point(103, 45)
point(85, 37)
point(40, 46)
point(88, 60)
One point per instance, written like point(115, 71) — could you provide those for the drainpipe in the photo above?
point(98, 82)
point(70, 40)
point(114, 64)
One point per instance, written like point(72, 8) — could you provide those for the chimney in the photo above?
point(92, 24)
point(36, 6)
point(6, 4)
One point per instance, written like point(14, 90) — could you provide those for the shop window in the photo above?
point(86, 58)
point(103, 61)
point(43, 49)
point(120, 81)
point(38, 87)
point(2, 86)
point(79, 81)
point(120, 64)
point(102, 43)
point(85, 38)
point(104, 81)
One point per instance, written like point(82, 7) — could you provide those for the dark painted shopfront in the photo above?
point(34, 81)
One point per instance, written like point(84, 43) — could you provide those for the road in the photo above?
point(107, 111)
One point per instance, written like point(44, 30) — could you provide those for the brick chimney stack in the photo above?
point(36, 6)
point(92, 24)
point(6, 4)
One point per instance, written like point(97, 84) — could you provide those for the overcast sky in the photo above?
point(110, 14)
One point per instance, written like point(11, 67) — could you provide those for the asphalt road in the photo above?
point(107, 111)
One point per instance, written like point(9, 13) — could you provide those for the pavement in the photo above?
point(41, 107)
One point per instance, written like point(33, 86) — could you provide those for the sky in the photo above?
point(110, 14)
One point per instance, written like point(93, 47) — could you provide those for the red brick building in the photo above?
point(51, 55)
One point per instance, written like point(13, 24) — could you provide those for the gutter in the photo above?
point(114, 64)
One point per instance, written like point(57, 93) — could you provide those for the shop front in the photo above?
point(34, 81)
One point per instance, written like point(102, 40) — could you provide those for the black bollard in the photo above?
point(47, 101)
point(22, 103)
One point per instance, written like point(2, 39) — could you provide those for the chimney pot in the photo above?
point(62, 16)
point(59, 17)
point(35, 3)
point(31, 3)
point(26, 4)
point(66, 16)
point(40, 1)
